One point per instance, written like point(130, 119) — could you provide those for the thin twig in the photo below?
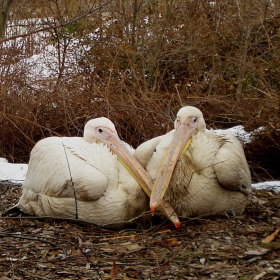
point(88, 259)
point(58, 25)
point(73, 186)
point(27, 237)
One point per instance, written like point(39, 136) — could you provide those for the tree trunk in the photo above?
point(4, 16)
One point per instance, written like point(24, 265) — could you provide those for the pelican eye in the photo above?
point(195, 119)
point(100, 130)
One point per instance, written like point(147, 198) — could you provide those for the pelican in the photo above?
point(92, 178)
point(205, 174)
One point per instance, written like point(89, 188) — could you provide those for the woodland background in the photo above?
point(137, 62)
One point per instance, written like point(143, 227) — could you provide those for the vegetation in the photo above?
point(137, 62)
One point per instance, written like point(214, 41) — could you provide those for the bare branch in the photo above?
point(57, 25)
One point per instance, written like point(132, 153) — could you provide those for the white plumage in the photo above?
point(75, 177)
point(79, 177)
point(212, 176)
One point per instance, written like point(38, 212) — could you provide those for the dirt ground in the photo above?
point(245, 247)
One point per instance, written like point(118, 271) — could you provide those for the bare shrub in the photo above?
point(137, 63)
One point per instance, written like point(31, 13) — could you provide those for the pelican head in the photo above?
point(102, 130)
point(189, 120)
point(99, 129)
point(192, 116)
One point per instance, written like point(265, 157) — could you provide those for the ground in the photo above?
point(244, 247)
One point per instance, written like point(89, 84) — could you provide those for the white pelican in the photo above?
point(78, 177)
point(210, 176)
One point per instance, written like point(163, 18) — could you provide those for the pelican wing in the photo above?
point(56, 171)
point(145, 151)
point(231, 167)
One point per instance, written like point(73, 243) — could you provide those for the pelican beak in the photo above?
point(139, 173)
point(179, 145)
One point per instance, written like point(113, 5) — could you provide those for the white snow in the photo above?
point(238, 131)
point(12, 172)
point(269, 185)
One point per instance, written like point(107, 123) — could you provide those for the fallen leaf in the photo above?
point(202, 260)
point(271, 246)
point(258, 252)
point(163, 231)
point(129, 246)
point(271, 237)
point(55, 252)
point(132, 236)
point(75, 252)
point(218, 266)
point(114, 269)
point(259, 276)
point(172, 242)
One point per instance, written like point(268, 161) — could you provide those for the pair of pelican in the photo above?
point(98, 178)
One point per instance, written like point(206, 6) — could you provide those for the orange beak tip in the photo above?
point(152, 209)
point(178, 225)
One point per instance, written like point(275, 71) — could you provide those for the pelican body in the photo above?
point(75, 177)
point(93, 178)
point(211, 176)
point(93, 186)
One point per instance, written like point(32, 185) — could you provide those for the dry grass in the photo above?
point(222, 58)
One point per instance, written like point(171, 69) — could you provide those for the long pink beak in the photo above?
point(140, 174)
point(182, 135)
